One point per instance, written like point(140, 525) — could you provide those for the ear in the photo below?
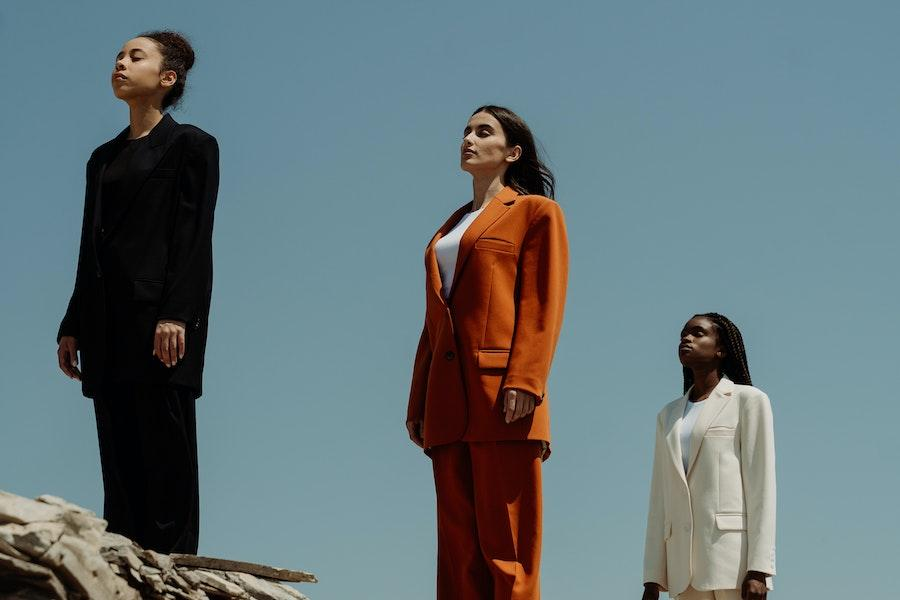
point(515, 153)
point(168, 78)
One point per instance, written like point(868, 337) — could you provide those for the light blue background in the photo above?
point(710, 156)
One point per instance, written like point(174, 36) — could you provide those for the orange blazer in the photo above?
point(498, 328)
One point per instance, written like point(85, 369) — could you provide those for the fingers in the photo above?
point(67, 356)
point(510, 402)
point(415, 432)
point(181, 344)
point(517, 404)
point(169, 343)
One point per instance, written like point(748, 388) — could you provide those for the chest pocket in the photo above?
point(496, 245)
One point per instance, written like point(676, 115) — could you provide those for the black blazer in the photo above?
point(154, 261)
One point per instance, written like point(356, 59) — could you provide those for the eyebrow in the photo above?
point(132, 51)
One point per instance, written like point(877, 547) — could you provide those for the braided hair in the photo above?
point(178, 56)
point(734, 366)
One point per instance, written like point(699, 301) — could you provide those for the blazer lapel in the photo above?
point(673, 438)
point(432, 269)
point(159, 135)
point(495, 209)
point(712, 406)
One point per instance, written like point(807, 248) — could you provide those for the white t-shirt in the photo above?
point(447, 249)
point(691, 412)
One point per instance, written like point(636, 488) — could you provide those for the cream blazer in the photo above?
point(707, 529)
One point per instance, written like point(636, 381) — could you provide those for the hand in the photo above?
point(651, 591)
point(754, 586)
point(168, 343)
point(415, 432)
point(517, 404)
point(67, 355)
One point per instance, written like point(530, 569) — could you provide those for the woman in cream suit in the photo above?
point(495, 285)
point(711, 524)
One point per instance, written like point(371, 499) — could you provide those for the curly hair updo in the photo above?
point(178, 56)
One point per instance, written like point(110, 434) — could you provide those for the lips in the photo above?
point(120, 77)
point(684, 347)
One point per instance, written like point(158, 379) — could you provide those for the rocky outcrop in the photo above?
point(53, 550)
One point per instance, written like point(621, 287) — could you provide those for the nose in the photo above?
point(119, 65)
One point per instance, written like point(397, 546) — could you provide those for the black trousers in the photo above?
point(148, 452)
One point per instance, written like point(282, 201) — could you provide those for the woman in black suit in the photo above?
point(138, 314)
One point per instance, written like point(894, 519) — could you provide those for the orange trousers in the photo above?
point(489, 520)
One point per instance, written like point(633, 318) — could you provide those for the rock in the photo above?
point(33, 539)
point(15, 509)
point(39, 577)
point(65, 553)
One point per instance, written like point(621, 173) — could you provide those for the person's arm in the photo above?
point(758, 472)
point(69, 327)
point(655, 566)
point(415, 411)
point(189, 270)
point(543, 275)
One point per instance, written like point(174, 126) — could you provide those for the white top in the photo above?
point(691, 412)
point(447, 249)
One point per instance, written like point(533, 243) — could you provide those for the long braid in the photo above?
point(735, 365)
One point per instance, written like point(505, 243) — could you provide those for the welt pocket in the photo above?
point(731, 522)
point(720, 432)
point(147, 290)
point(161, 173)
point(493, 359)
point(495, 244)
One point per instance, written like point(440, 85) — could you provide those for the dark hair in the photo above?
point(528, 175)
point(735, 365)
point(178, 56)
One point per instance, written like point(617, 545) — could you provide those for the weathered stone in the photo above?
point(33, 539)
point(215, 583)
point(39, 576)
point(16, 509)
point(82, 566)
point(260, 589)
point(73, 557)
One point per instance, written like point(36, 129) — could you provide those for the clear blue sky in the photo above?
point(737, 157)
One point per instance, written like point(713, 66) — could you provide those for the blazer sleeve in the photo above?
point(655, 564)
point(70, 325)
point(188, 281)
point(543, 274)
point(416, 409)
point(758, 472)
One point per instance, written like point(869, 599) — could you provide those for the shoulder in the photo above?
point(540, 209)
point(193, 137)
point(751, 399)
point(666, 410)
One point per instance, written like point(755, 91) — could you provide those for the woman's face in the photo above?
point(138, 71)
point(700, 346)
point(483, 148)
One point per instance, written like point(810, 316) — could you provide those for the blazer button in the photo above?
point(99, 274)
point(449, 355)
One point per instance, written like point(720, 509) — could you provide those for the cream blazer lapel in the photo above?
point(712, 406)
point(673, 435)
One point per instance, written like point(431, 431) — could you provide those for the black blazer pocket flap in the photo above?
point(163, 173)
point(493, 359)
point(146, 290)
point(495, 244)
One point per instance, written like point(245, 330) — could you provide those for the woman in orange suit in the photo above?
point(495, 288)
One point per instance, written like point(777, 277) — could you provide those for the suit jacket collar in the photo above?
point(493, 210)
point(159, 135)
point(712, 406)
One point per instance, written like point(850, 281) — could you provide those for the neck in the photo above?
point(485, 187)
point(143, 117)
point(705, 381)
